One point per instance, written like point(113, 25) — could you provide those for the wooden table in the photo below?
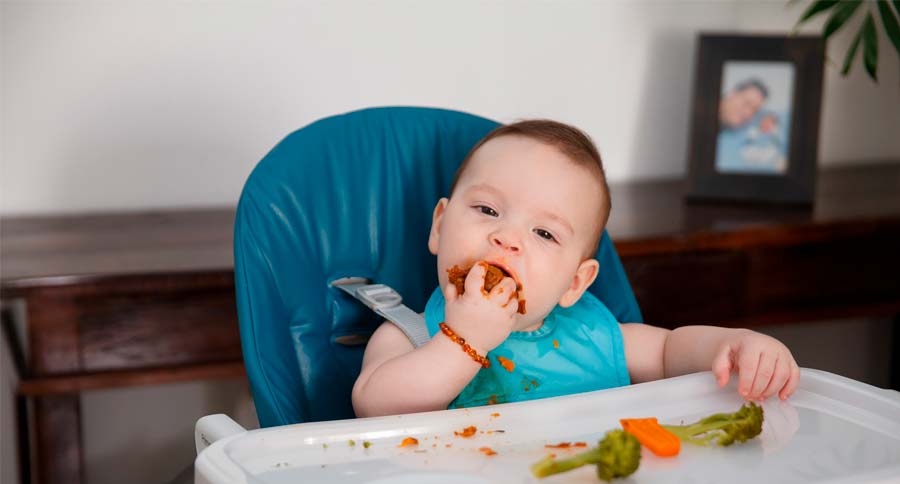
point(148, 298)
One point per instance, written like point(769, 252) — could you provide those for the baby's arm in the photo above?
point(396, 378)
point(765, 366)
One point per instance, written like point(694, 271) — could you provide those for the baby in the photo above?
point(531, 199)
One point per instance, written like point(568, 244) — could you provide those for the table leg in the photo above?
point(52, 317)
point(22, 440)
point(58, 455)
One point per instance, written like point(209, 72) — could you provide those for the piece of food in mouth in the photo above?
point(492, 277)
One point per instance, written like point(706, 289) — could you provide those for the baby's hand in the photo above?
point(765, 366)
point(483, 319)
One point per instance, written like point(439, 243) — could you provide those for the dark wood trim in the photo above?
point(755, 237)
point(87, 284)
point(61, 385)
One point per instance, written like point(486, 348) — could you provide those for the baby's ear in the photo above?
point(434, 235)
point(584, 277)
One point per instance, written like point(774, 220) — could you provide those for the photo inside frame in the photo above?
point(754, 117)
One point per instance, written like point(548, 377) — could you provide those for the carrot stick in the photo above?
point(652, 436)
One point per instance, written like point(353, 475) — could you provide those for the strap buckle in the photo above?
point(379, 296)
point(386, 302)
point(375, 296)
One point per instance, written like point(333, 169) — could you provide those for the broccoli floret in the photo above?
point(723, 428)
point(617, 455)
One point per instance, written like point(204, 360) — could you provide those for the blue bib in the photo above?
point(578, 349)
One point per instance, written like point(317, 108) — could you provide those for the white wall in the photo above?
point(125, 104)
point(860, 119)
point(135, 104)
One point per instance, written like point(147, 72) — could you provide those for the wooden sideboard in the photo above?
point(147, 298)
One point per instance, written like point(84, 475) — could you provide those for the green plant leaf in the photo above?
point(890, 23)
point(841, 14)
point(816, 8)
point(851, 54)
point(870, 46)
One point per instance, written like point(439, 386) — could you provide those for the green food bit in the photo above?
point(352, 443)
point(367, 444)
point(617, 455)
point(722, 428)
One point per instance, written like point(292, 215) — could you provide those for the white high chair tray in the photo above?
point(832, 429)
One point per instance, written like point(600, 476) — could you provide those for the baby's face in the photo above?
point(740, 106)
point(526, 207)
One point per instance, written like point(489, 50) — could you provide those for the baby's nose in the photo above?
point(505, 243)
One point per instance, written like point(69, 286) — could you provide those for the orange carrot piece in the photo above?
point(561, 445)
point(652, 436)
point(409, 441)
point(507, 364)
point(467, 432)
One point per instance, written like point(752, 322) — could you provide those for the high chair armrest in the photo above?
point(214, 427)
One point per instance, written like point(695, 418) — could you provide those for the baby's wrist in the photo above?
point(471, 329)
point(476, 354)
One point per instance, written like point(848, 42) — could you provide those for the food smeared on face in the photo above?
point(493, 275)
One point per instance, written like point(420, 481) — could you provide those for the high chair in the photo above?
point(349, 195)
point(352, 195)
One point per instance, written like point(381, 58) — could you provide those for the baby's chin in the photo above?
point(524, 326)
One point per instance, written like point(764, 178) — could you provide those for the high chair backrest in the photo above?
point(349, 195)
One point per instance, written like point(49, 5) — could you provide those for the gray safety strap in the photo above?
point(387, 303)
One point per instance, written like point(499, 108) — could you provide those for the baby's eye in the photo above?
point(487, 210)
point(545, 235)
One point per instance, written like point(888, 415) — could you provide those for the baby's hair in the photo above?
point(570, 141)
point(755, 83)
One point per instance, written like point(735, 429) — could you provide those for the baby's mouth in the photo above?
point(495, 272)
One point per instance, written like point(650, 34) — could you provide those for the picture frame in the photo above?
point(755, 119)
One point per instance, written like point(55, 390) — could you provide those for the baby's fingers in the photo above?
point(721, 366)
point(475, 279)
point(450, 294)
point(748, 361)
point(765, 370)
point(779, 378)
point(505, 293)
point(792, 382)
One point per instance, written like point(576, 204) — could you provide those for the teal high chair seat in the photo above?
point(349, 195)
